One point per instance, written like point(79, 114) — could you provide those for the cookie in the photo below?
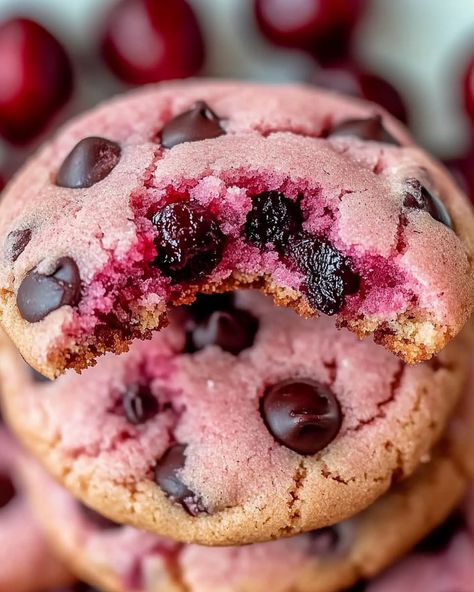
point(240, 422)
point(27, 563)
point(324, 202)
point(442, 562)
point(121, 559)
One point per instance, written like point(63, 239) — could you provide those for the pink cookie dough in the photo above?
point(27, 563)
point(108, 433)
point(123, 559)
point(322, 201)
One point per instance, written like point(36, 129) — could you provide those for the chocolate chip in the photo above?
point(189, 241)
point(272, 219)
point(16, 242)
point(232, 331)
point(206, 304)
point(419, 198)
point(329, 274)
point(139, 404)
point(199, 123)
point(303, 415)
point(97, 519)
point(442, 536)
point(39, 294)
point(89, 162)
point(370, 128)
point(7, 490)
point(167, 477)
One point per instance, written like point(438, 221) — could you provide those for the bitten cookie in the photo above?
point(240, 422)
point(122, 559)
point(27, 563)
point(324, 202)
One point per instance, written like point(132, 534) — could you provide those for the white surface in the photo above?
point(419, 42)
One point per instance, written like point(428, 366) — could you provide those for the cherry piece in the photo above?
point(353, 80)
point(7, 489)
point(147, 41)
point(188, 241)
point(321, 27)
point(35, 78)
point(272, 220)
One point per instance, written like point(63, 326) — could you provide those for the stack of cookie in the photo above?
point(227, 246)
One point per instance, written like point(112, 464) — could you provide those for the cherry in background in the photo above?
point(321, 27)
point(351, 79)
point(468, 88)
point(151, 40)
point(35, 79)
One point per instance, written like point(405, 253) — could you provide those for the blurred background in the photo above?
point(415, 57)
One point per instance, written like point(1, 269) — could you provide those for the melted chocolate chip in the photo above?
point(40, 294)
point(232, 331)
point(272, 220)
point(303, 415)
point(139, 404)
point(97, 519)
point(370, 128)
point(189, 242)
point(167, 477)
point(89, 162)
point(16, 243)
point(7, 490)
point(419, 198)
point(329, 275)
point(442, 536)
point(199, 123)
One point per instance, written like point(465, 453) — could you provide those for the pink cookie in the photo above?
point(122, 559)
point(240, 422)
point(27, 564)
point(322, 201)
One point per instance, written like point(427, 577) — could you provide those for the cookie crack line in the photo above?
point(294, 501)
point(394, 388)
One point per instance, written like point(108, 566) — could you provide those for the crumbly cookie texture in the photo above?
point(324, 202)
point(240, 422)
point(120, 558)
point(27, 562)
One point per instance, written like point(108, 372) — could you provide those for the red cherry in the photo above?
point(468, 87)
point(35, 78)
point(359, 82)
point(462, 169)
point(151, 40)
point(322, 27)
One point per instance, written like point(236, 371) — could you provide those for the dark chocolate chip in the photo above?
point(199, 123)
point(419, 198)
point(167, 477)
point(205, 304)
point(189, 241)
point(329, 274)
point(40, 294)
point(139, 404)
point(441, 537)
point(370, 128)
point(233, 331)
point(7, 489)
point(272, 220)
point(303, 415)
point(89, 162)
point(16, 242)
point(97, 519)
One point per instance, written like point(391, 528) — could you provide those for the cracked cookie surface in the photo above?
point(239, 422)
point(321, 201)
point(121, 559)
